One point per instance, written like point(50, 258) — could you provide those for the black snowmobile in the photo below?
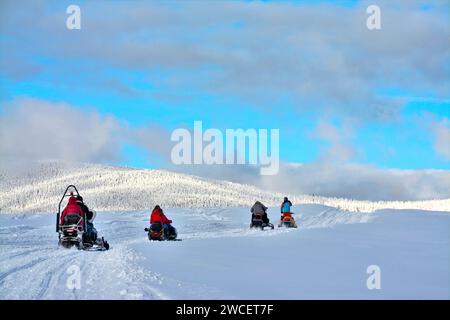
point(258, 222)
point(73, 230)
point(156, 232)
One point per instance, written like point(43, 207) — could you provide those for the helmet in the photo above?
point(285, 198)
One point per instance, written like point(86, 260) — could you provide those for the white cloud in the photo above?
point(319, 56)
point(352, 181)
point(35, 129)
point(442, 140)
point(338, 139)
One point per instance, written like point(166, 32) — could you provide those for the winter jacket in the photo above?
point(286, 206)
point(158, 216)
point(258, 208)
point(72, 207)
point(90, 216)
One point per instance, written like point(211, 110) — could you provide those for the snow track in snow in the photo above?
point(221, 258)
point(33, 268)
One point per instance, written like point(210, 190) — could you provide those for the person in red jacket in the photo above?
point(72, 207)
point(159, 216)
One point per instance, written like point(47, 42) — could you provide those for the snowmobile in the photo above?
point(287, 221)
point(156, 232)
point(258, 222)
point(72, 232)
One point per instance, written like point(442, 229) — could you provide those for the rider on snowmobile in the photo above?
point(159, 216)
point(259, 209)
point(285, 206)
point(286, 211)
point(72, 207)
point(91, 232)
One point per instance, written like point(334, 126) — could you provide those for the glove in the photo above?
point(170, 221)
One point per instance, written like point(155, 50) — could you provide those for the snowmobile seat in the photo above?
point(72, 218)
point(258, 221)
point(157, 226)
point(258, 218)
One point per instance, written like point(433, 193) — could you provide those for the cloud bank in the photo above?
point(353, 181)
point(34, 130)
point(320, 57)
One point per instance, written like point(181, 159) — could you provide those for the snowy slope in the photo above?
point(219, 257)
point(107, 188)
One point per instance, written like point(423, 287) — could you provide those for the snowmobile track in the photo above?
point(20, 268)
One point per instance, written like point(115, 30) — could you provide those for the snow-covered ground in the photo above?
point(219, 257)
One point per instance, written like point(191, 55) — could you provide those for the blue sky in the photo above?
point(259, 65)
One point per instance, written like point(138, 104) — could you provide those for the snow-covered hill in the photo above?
point(107, 188)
